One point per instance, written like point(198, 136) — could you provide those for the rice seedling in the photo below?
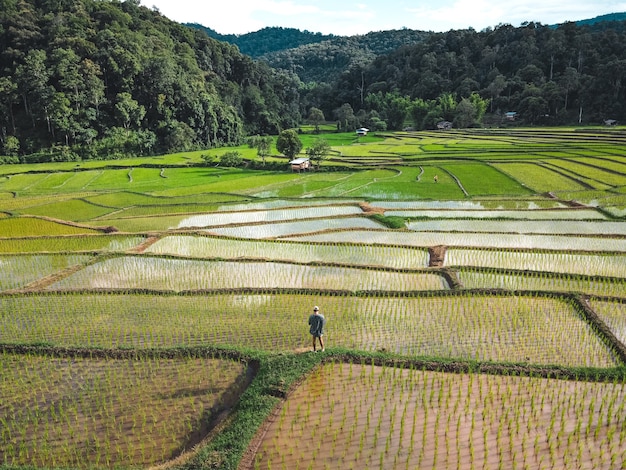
point(349, 254)
point(532, 215)
point(539, 281)
point(182, 274)
point(469, 239)
point(96, 413)
point(549, 226)
point(18, 270)
point(31, 226)
point(275, 215)
point(613, 314)
point(499, 327)
point(286, 229)
point(539, 178)
point(70, 243)
point(485, 421)
point(601, 264)
point(252, 294)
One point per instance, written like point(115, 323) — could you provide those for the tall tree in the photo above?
point(318, 151)
point(262, 144)
point(316, 117)
point(289, 143)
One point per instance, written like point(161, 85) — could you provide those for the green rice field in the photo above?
point(473, 285)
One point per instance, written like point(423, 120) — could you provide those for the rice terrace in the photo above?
point(153, 312)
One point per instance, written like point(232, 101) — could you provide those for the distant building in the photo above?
point(361, 131)
point(511, 115)
point(300, 164)
point(444, 125)
point(610, 122)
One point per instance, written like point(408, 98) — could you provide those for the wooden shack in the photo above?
point(300, 164)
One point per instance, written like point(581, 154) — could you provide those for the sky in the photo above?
point(348, 17)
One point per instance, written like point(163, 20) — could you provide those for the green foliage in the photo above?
point(289, 143)
point(266, 40)
point(123, 66)
point(262, 144)
point(391, 221)
point(231, 159)
point(11, 146)
point(324, 61)
point(316, 117)
point(549, 75)
point(318, 151)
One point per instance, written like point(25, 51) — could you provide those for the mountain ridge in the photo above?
point(293, 37)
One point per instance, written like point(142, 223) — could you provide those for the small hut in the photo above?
point(300, 164)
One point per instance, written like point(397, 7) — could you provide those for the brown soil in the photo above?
point(47, 281)
point(367, 209)
point(436, 255)
point(145, 245)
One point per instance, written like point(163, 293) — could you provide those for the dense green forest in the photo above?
point(266, 40)
point(547, 75)
point(100, 79)
point(94, 79)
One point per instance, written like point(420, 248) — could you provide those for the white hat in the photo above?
point(316, 308)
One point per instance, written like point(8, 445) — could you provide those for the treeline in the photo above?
point(546, 75)
point(107, 79)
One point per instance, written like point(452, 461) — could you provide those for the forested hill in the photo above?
point(543, 75)
point(325, 61)
point(312, 56)
point(100, 79)
point(266, 40)
point(600, 21)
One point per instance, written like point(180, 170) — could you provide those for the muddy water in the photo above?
point(360, 416)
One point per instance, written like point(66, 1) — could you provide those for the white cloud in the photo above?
point(360, 16)
point(479, 14)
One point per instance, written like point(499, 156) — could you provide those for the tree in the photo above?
point(32, 82)
point(129, 111)
point(346, 119)
point(11, 146)
point(316, 117)
point(231, 159)
point(497, 86)
point(262, 144)
point(8, 96)
point(288, 143)
point(318, 152)
point(419, 110)
point(465, 114)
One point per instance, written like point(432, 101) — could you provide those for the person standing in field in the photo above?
point(317, 323)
